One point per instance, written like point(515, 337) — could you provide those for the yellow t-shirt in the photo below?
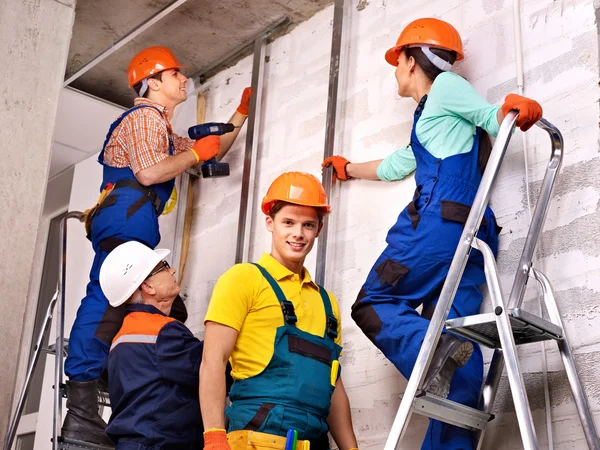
point(244, 300)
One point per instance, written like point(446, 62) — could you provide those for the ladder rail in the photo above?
point(507, 341)
point(492, 381)
point(450, 287)
point(583, 409)
point(60, 329)
point(30, 371)
point(539, 215)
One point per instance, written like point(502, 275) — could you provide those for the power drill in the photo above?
point(212, 168)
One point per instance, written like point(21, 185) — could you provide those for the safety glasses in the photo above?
point(162, 266)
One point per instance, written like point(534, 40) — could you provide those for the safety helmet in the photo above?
point(429, 32)
point(149, 62)
point(125, 269)
point(298, 188)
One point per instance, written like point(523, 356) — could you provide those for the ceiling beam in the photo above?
point(124, 40)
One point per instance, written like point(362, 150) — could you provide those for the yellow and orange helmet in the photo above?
point(430, 32)
point(149, 62)
point(298, 188)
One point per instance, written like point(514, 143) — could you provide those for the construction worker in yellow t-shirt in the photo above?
point(282, 333)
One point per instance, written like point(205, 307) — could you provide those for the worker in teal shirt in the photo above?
point(448, 150)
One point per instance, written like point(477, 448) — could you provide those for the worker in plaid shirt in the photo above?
point(141, 157)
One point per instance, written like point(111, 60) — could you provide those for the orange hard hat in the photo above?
point(298, 188)
point(149, 62)
point(428, 31)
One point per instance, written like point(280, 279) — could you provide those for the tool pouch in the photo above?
point(89, 214)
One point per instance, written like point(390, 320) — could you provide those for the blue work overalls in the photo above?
point(129, 213)
point(294, 390)
point(411, 272)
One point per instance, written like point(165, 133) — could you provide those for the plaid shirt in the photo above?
point(142, 139)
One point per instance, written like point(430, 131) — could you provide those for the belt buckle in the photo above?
point(155, 200)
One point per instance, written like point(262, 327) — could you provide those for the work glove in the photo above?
point(206, 148)
point(530, 111)
point(339, 164)
point(216, 439)
point(245, 102)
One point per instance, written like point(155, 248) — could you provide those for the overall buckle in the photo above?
point(289, 313)
point(332, 326)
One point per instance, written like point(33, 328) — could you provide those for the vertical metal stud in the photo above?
point(242, 252)
point(330, 127)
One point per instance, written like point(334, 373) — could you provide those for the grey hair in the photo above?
point(136, 298)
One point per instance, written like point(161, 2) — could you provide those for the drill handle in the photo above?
point(209, 129)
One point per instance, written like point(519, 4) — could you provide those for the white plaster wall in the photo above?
point(561, 71)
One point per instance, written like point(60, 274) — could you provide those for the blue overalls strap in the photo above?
point(332, 322)
point(420, 106)
point(289, 313)
point(117, 122)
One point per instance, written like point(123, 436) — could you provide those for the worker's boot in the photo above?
point(450, 353)
point(82, 422)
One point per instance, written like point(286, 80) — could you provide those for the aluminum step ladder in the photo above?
point(60, 389)
point(503, 329)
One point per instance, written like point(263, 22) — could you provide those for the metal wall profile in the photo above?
point(330, 128)
point(242, 252)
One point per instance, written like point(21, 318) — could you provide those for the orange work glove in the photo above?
point(530, 111)
point(339, 164)
point(206, 148)
point(216, 439)
point(245, 102)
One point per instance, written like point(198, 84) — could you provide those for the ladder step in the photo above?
point(526, 327)
point(71, 444)
point(450, 412)
point(51, 349)
point(103, 398)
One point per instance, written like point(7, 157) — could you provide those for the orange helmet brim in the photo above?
point(391, 56)
point(268, 204)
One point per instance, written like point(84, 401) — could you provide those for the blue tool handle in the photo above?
point(289, 441)
point(209, 129)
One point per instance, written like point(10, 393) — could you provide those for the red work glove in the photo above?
point(216, 439)
point(245, 102)
point(339, 164)
point(206, 148)
point(530, 111)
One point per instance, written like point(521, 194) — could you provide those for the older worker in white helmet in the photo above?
point(154, 360)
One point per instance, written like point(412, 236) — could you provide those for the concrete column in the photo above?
point(34, 37)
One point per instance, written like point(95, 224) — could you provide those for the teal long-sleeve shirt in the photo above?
point(447, 125)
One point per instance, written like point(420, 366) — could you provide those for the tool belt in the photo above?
point(105, 200)
point(245, 439)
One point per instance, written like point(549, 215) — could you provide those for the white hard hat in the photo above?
point(125, 269)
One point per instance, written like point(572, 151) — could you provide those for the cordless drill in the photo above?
point(212, 168)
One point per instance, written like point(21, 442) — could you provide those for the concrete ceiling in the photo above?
point(199, 32)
